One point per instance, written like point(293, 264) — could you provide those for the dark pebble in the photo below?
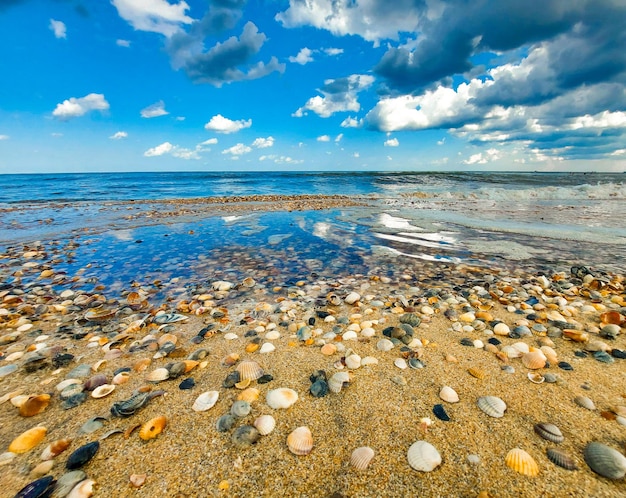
point(565, 366)
point(619, 353)
point(467, 342)
point(322, 314)
point(82, 455)
point(245, 435)
point(231, 379)
point(494, 341)
point(40, 488)
point(312, 320)
point(319, 388)
point(62, 359)
point(440, 413)
point(581, 354)
point(317, 375)
point(74, 401)
point(250, 333)
point(187, 384)
point(196, 339)
point(264, 379)
point(603, 357)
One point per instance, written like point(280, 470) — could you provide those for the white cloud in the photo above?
point(210, 141)
point(338, 95)
point(183, 153)
point(483, 157)
point(56, 135)
point(351, 122)
point(179, 118)
point(392, 142)
point(58, 27)
point(303, 57)
point(262, 143)
point(118, 135)
point(159, 150)
point(333, 51)
point(75, 107)
point(356, 154)
point(339, 137)
point(122, 43)
point(323, 138)
point(281, 159)
point(157, 16)
point(237, 150)
point(220, 124)
point(442, 141)
point(155, 110)
point(4, 137)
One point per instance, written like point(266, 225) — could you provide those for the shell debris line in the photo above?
point(412, 379)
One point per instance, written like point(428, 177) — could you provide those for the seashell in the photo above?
point(353, 361)
point(141, 365)
point(55, 448)
point(240, 409)
point(536, 378)
point(550, 432)
point(267, 347)
point(369, 360)
point(576, 335)
point(249, 370)
point(603, 357)
point(27, 440)
point(167, 338)
point(242, 384)
point(83, 489)
point(97, 365)
point(34, 405)
point(205, 401)
point(585, 402)
point(300, 441)
point(225, 423)
point(152, 428)
point(521, 347)
point(40, 488)
point(138, 480)
point(99, 314)
point(102, 391)
point(448, 394)
point(384, 345)
point(520, 461)
point(562, 459)
point(492, 406)
point(265, 424)
point(440, 413)
point(337, 381)
point(501, 329)
point(42, 469)
point(66, 383)
point(534, 360)
point(68, 481)
point(549, 353)
point(158, 375)
point(423, 456)
point(94, 381)
point(250, 395)
point(245, 435)
point(361, 457)
point(229, 360)
point(20, 399)
point(476, 372)
point(82, 455)
point(121, 378)
point(604, 460)
point(282, 397)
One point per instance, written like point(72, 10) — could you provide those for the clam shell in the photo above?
point(158, 375)
point(42, 468)
point(152, 428)
point(550, 354)
point(448, 394)
point(492, 406)
point(423, 456)
point(55, 448)
point(585, 402)
point(265, 424)
point(536, 377)
point(337, 380)
point(141, 365)
point(476, 372)
point(27, 440)
point(102, 391)
point(66, 383)
point(300, 441)
point(34, 405)
point(121, 378)
point(68, 481)
point(283, 397)
point(520, 461)
point(361, 457)
point(328, 349)
point(534, 360)
point(562, 459)
point(205, 401)
point(82, 455)
point(240, 409)
point(249, 370)
point(549, 432)
point(604, 460)
point(353, 361)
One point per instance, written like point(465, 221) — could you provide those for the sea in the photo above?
point(529, 221)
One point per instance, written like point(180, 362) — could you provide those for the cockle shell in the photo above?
point(265, 424)
point(521, 347)
point(102, 391)
point(55, 448)
point(604, 460)
point(205, 401)
point(152, 428)
point(585, 402)
point(520, 461)
point(27, 440)
point(492, 406)
point(353, 361)
point(501, 329)
point(534, 360)
point(249, 370)
point(476, 372)
point(536, 377)
point(34, 405)
point(283, 397)
point(250, 395)
point(562, 459)
point(448, 394)
point(300, 441)
point(423, 456)
point(361, 457)
point(550, 432)
point(158, 375)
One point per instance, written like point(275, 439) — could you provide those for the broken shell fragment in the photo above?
point(152, 428)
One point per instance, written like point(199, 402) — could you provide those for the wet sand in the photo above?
point(383, 407)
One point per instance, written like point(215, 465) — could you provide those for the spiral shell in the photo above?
point(27, 440)
point(361, 457)
point(534, 360)
point(604, 460)
point(152, 428)
point(300, 441)
point(520, 461)
point(205, 401)
point(562, 459)
point(265, 424)
point(549, 432)
point(448, 394)
point(249, 370)
point(492, 406)
point(423, 456)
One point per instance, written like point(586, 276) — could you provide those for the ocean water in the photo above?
point(532, 222)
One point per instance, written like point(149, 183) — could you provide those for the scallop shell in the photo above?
point(361, 457)
point(562, 459)
point(520, 461)
point(265, 424)
point(152, 428)
point(55, 448)
point(34, 405)
point(423, 456)
point(251, 394)
point(534, 360)
point(27, 440)
point(585, 402)
point(476, 372)
point(337, 380)
point(249, 370)
point(492, 406)
point(300, 441)
point(604, 460)
point(283, 397)
point(448, 394)
point(550, 432)
point(205, 401)
point(158, 375)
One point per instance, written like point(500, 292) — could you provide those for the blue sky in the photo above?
point(148, 85)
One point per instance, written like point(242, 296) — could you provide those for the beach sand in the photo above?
point(383, 406)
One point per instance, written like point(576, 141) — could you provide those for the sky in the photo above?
point(312, 85)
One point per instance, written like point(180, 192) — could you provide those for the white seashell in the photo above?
point(478, 344)
point(267, 348)
point(369, 360)
point(400, 363)
point(501, 329)
point(536, 377)
point(361, 457)
point(368, 332)
point(337, 380)
point(585, 402)
point(448, 394)
point(102, 391)
point(511, 352)
point(205, 401)
point(14, 356)
point(283, 397)
point(384, 345)
point(522, 347)
point(230, 336)
point(605, 461)
point(272, 335)
point(67, 382)
point(352, 298)
point(423, 456)
point(300, 441)
point(7, 457)
point(19, 400)
point(249, 370)
point(353, 361)
point(350, 335)
point(121, 378)
point(492, 406)
point(158, 375)
point(265, 424)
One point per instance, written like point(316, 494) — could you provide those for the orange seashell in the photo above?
point(55, 448)
point(230, 360)
point(250, 394)
point(534, 360)
point(300, 441)
point(612, 317)
point(28, 440)
point(152, 428)
point(520, 461)
point(476, 372)
point(328, 349)
point(35, 405)
point(484, 316)
point(550, 354)
point(252, 347)
point(141, 365)
point(190, 365)
point(576, 335)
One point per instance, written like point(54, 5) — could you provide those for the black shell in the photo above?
point(565, 366)
point(82, 455)
point(41, 488)
point(440, 413)
point(562, 459)
point(187, 383)
point(319, 388)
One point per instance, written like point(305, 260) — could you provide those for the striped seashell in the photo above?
point(152, 428)
point(265, 424)
point(250, 394)
point(534, 360)
point(520, 461)
point(549, 432)
point(281, 398)
point(562, 459)
point(585, 402)
point(448, 394)
point(511, 352)
point(604, 460)
point(55, 448)
point(249, 370)
point(158, 375)
point(492, 406)
point(337, 381)
point(550, 354)
point(423, 456)
point(27, 440)
point(361, 457)
point(205, 401)
point(476, 372)
point(300, 441)
point(102, 391)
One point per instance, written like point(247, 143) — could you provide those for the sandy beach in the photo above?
point(456, 310)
